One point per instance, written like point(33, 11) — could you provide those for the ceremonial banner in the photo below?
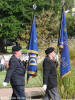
point(63, 45)
point(33, 51)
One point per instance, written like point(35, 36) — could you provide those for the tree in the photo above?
point(47, 27)
point(12, 17)
point(68, 4)
point(70, 25)
point(16, 17)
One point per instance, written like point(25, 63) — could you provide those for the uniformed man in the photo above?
point(16, 74)
point(50, 75)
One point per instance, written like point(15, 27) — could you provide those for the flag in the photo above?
point(33, 51)
point(64, 50)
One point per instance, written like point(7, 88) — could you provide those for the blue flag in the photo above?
point(63, 45)
point(33, 51)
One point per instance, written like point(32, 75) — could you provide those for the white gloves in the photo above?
point(26, 58)
point(44, 87)
point(56, 58)
point(4, 84)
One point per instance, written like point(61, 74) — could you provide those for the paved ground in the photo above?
point(36, 93)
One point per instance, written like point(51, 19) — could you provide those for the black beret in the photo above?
point(49, 50)
point(16, 48)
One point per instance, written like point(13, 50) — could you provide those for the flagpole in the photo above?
point(57, 51)
point(63, 1)
point(35, 7)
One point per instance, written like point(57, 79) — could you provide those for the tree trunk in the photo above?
point(2, 49)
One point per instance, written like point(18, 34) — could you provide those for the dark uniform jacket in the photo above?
point(49, 73)
point(16, 72)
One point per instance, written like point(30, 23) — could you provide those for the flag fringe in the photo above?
point(33, 73)
point(65, 74)
point(61, 46)
point(32, 51)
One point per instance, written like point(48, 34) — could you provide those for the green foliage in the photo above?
point(70, 24)
point(11, 19)
point(47, 27)
point(14, 14)
point(72, 54)
point(16, 18)
point(66, 85)
point(69, 4)
point(9, 49)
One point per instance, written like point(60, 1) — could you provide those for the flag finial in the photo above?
point(34, 6)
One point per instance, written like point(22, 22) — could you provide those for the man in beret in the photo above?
point(16, 74)
point(49, 75)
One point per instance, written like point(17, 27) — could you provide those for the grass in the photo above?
point(67, 84)
point(2, 76)
point(9, 49)
point(36, 81)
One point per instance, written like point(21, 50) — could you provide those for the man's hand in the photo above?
point(44, 87)
point(56, 58)
point(4, 84)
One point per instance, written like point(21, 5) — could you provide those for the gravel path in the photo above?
point(36, 93)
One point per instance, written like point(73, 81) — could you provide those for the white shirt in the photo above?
point(3, 61)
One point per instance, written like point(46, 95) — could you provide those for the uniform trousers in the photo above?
point(52, 94)
point(18, 93)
